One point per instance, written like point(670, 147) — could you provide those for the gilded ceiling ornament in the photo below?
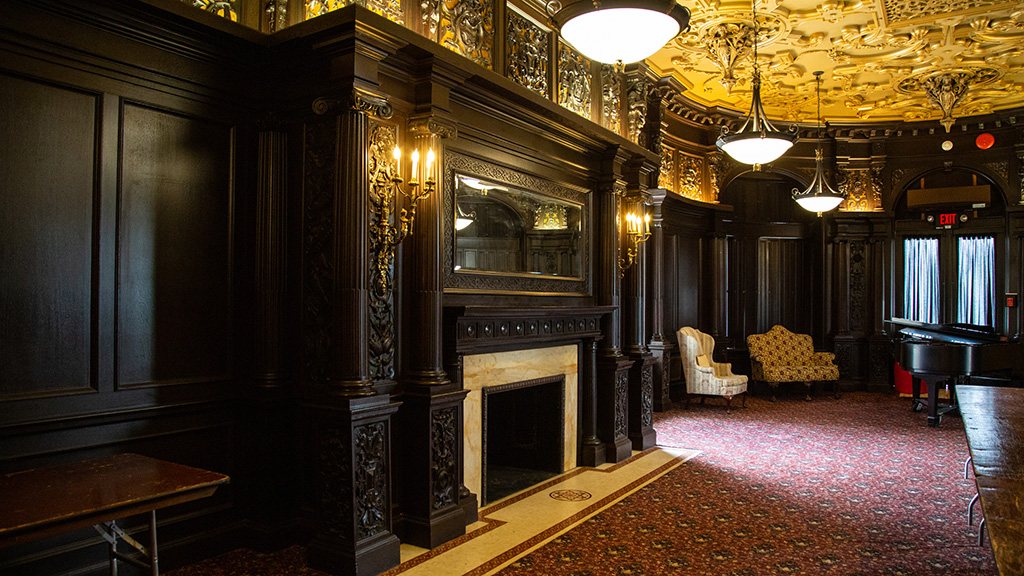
point(872, 51)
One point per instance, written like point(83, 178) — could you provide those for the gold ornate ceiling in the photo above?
point(884, 60)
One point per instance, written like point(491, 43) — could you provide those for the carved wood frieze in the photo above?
point(574, 80)
point(390, 9)
point(444, 457)
point(465, 27)
point(224, 8)
point(528, 57)
point(691, 172)
point(482, 329)
point(455, 162)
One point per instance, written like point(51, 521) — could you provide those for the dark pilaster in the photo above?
point(661, 342)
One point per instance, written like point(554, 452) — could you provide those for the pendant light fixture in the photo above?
point(820, 196)
point(757, 141)
point(618, 31)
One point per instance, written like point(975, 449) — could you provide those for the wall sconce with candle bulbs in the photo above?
point(637, 230)
point(413, 191)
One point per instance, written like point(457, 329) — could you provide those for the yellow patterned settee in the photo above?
point(783, 356)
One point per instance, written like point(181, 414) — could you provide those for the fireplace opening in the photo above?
point(523, 435)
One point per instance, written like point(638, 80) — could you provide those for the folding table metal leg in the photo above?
point(112, 533)
point(970, 510)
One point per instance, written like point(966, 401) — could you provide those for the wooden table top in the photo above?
point(46, 501)
point(994, 422)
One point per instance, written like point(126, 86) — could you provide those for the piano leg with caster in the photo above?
point(935, 411)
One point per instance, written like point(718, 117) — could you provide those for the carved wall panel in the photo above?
point(858, 284)
point(275, 14)
point(621, 402)
point(647, 396)
point(382, 169)
point(638, 87)
point(390, 9)
point(528, 59)
point(465, 27)
point(611, 89)
point(318, 272)
point(691, 171)
point(335, 470)
point(224, 8)
point(574, 80)
point(863, 189)
point(444, 460)
point(371, 486)
point(667, 174)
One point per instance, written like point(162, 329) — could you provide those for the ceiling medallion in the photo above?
point(727, 39)
point(947, 88)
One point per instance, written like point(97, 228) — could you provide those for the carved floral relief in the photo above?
point(528, 58)
point(573, 80)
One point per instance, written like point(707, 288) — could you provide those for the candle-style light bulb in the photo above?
point(415, 165)
point(430, 164)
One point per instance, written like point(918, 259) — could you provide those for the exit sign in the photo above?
point(946, 219)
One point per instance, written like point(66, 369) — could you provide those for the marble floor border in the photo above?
point(545, 521)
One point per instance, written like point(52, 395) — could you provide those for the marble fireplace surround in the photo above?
point(503, 345)
point(487, 370)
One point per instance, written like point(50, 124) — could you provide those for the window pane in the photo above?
point(921, 279)
point(976, 280)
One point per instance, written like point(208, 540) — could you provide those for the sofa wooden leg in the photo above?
point(773, 386)
point(835, 389)
point(810, 386)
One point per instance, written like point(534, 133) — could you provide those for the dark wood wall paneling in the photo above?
point(122, 181)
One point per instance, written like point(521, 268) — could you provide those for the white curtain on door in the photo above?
point(921, 279)
point(976, 280)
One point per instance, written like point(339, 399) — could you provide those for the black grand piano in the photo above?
point(943, 354)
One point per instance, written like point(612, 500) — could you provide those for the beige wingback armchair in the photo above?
point(704, 376)
point(783, 356)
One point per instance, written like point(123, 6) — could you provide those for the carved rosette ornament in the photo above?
point(465, 27)
point(528, 59)
point(573, 80)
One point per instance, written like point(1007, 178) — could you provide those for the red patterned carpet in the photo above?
point(855, 486)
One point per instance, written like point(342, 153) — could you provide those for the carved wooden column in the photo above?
point(592, 452)
point(641, 373)
point(351, 423)
point(431, 491)
point(612, 365)
point(269, 456)
point(660, 344)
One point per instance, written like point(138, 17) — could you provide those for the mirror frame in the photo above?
point(510, 282)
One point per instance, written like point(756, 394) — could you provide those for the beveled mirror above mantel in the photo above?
point(512, 232)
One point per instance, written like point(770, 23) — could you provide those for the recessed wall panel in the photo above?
point(174, 249)
point(47, 185)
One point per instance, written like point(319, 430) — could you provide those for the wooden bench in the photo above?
point(46, 501)
point(994, 423)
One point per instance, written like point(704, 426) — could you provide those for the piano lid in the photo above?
point(958, 333)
